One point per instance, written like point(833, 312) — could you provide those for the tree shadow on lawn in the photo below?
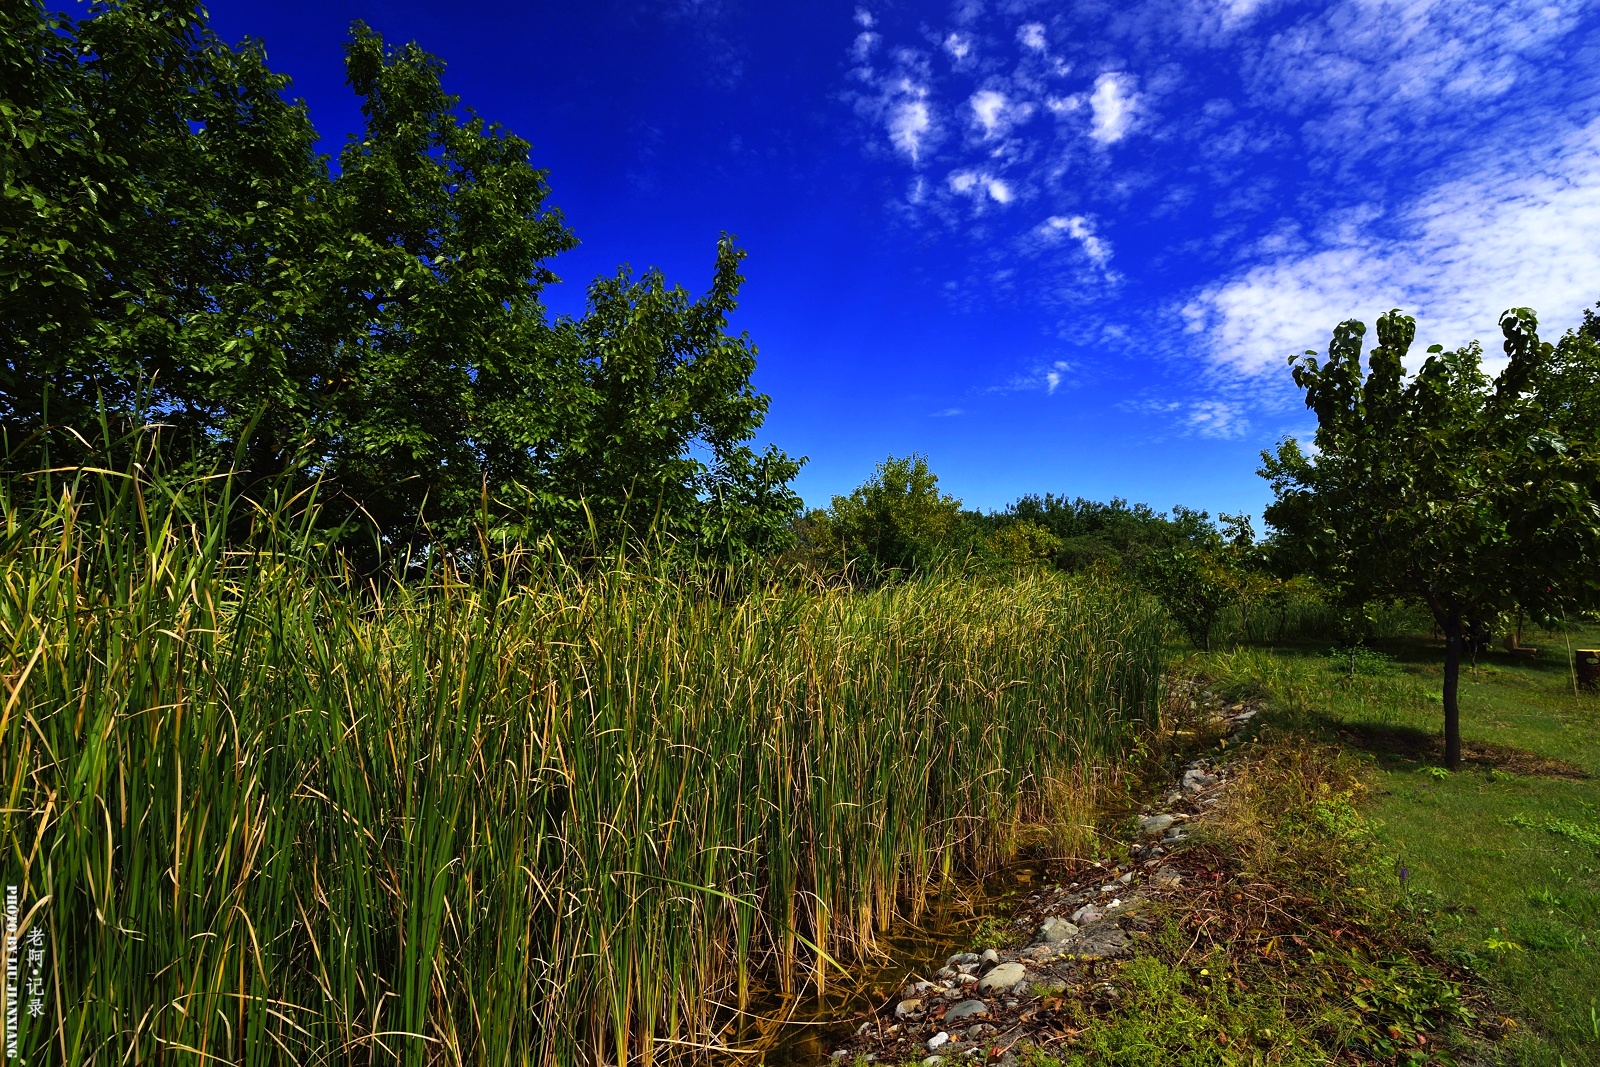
point(1547, 658)
point(1401, 747)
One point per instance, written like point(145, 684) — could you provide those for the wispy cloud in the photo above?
point(1217, 418)
point(1030, 35)
point(1053, 229)
point(1513, 232)
point(1257, 171)
point(1115, 105)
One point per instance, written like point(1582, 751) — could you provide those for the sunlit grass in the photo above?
point(1503, 864)
point(542, 812)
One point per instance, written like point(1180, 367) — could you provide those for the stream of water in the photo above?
point(801, 1032)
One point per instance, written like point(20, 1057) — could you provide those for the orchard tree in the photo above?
point(1466, 494)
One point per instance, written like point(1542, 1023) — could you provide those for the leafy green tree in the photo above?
point(427, 343)
point(172, 249)
point(1193, 586)
point(156, 194)
point(653, 429)
point(1022, 544)
point(1448, 489)
point(898, 520)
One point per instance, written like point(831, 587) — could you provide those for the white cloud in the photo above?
point(1076, 227)
point(1052, 377)
point(1217, 418)
point(1362, 71)
point(988, 107)
point(910, 122)
point(948, 413)
point(1031, 36)
point(864, 18)
point(1115, 105)
point(862, 49)
point(979, 186)
point(1515, 233)
point(959, 45)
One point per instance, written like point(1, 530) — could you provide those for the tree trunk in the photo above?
point(1453, 640)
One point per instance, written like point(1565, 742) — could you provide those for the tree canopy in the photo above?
point(1469, 495)
point(175, 251)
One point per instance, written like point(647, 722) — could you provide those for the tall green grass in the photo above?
point(542, 813)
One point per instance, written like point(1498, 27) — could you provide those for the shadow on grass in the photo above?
point(1399, 747)
point(1427, 652)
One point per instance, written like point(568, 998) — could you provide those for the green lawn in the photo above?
point(1504, 855)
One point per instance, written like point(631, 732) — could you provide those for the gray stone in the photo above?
point(965, 1010)
point(1175, 834)
point(1167, 876)
point(990, 956)
point(906, 1007)
point(937, 1040)
point(1154, 824)
point(1053, 929)
point(1002, 977)
point(1194, 780)
point(1089, 913)
point(1125, 879)
point(961, 959)
point(1104, 941)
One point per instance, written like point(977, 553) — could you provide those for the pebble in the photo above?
point(1174, 834)
point(1052, 930)
point(937, 1040)
point(965, 1010)
point(1002, 977)
point(1154, 824)
point(990, 956)
point(1125, 879)
point(1087, 914)
point(962, 959)
point(906, 1007)
point(1168, 876)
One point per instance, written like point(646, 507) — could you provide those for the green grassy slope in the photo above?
point(1504, 855)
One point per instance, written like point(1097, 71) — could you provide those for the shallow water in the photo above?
point(802, 1031)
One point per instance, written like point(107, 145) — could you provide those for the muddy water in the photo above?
point(801, 1032)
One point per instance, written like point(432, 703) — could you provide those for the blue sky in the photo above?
point(1057, 247)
